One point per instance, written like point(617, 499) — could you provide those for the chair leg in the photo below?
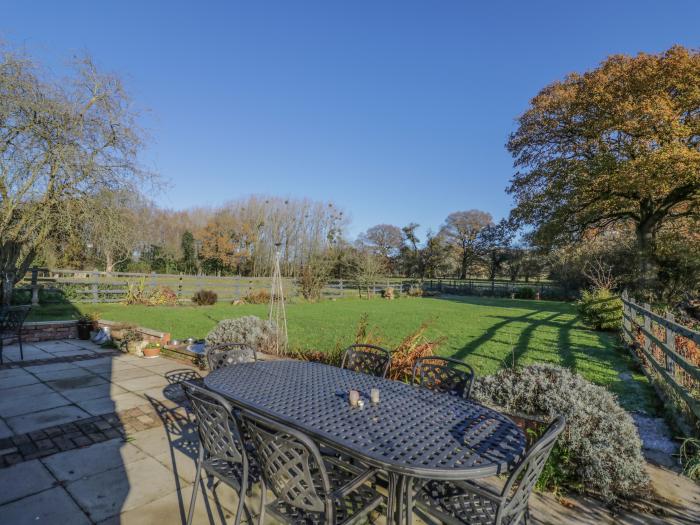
point(21, 350)
point(241, 498)
point(195, 489)
point(263, 491)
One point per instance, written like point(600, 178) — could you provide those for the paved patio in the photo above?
point(89, 435)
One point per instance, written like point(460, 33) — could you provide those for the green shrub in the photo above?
point(601, 309)
point(526, 292)
point(205, 297)
point(599, 450)
point(690, 457)
point(256, 332)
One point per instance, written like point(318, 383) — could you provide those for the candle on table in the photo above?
point(374, 395)
point(354, 397)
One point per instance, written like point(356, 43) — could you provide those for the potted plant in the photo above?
point(151, 350)
point(132, 342)
point(86, 324)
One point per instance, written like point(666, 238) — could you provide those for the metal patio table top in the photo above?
point(411, 431)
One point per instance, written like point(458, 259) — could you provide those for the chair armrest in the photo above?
point(356, 469)
point(356, 482)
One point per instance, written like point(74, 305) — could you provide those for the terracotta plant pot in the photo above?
point(151, 352)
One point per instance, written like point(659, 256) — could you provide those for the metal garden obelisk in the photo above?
point(278, 314)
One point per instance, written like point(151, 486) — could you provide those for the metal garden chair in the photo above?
point(227, 354)
point(308, 487)
point(11, 321)
point(368, 359)
point(462, 502)
point(443, 374)
point(221, 450)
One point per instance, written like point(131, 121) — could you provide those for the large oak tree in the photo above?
point(618, 146)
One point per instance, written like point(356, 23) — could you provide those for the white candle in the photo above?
point(354, 397)
point(374, 395)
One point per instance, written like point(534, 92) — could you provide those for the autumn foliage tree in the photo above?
point(618, 146)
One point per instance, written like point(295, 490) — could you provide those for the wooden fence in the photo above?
point(497, 288)
point(666, 348)
point(86, 286)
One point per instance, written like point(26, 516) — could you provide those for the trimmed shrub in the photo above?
point(599, 450)
point(601, 309)
point(388, 293)
point(312, 279)
point(205, 297)
point(415, 290)
point(251, 330)
point(260, 296)
point(526, 292)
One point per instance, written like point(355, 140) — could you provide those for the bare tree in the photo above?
point(59, 141)
point(461, 231)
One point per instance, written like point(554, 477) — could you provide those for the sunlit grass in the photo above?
point(486, 333)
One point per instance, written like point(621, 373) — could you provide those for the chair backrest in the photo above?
point(217, 428)
point(522, 481)
point(368, 359)
point(227, 354)
point(175, 377)
point(443, 374)
point(290, 463)
point(12, 318)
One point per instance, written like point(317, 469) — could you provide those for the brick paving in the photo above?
point(82, 433)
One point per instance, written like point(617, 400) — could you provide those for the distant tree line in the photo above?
point(607, 170)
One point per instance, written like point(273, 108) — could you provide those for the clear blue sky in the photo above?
point(397, 111)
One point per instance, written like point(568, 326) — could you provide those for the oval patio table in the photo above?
point(412, 432)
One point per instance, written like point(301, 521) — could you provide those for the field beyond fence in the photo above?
point(42, 285)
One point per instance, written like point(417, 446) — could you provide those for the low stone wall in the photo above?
point(46, 331)
point(148, 334)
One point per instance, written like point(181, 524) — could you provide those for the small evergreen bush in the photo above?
point(205, 297)
point(526, 292)
point(256, 332)
point(600, 309)
point(599, 450)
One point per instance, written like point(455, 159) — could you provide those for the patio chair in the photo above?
point(462, 502)
point(221, 453)
point(227, 354)
point(443, 374)
point(11, 322)
point(308, 487)
point(368, 359)
point(173, 390)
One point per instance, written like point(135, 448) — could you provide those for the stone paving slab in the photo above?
point(121, 489)
point(14, 381)
point(142, 383)
point(22, 480)
point(45, 418)
point(115, 403)
point(5, 431)
point(93, 392)
point(128, 374)
point(10, 407)
point(53, 506)
point(172, 509)
point(35, 391)
point(88, 461)
point(75, 382)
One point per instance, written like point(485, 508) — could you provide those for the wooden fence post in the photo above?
point(35, 286)
point(647, 327)
point(154, 279)
point(95, 294)
point(671, 343)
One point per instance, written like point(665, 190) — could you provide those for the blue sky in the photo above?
point(396, 111)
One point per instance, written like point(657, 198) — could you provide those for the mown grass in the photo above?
point(486, 333)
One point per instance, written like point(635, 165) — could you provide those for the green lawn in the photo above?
point(485, 332)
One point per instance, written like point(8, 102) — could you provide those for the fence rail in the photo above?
point(55, 285)
point(665, 347)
